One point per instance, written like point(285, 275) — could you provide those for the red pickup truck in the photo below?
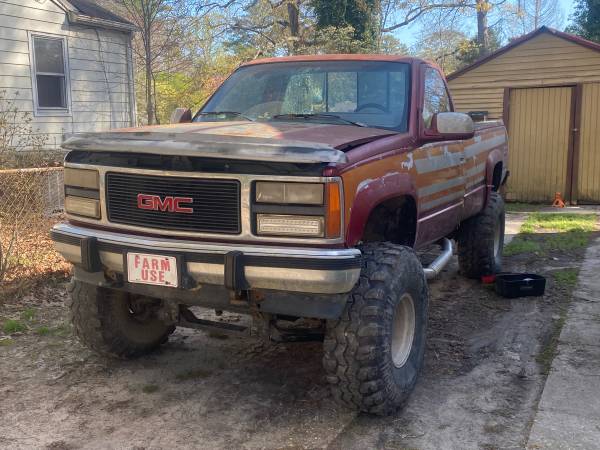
point(297, 194)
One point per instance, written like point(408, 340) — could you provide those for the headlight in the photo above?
point(82, 178)
point(288, 225)
point(82, 192)
point(298, 209)
point(289, 193)
point(81, 206)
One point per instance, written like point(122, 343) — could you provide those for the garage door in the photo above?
point(588, 180)
point(539, 133)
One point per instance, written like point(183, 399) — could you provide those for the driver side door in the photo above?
point(439, 164)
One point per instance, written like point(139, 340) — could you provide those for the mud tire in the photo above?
point(358, 358)
point(102, 321)
point(481, 239)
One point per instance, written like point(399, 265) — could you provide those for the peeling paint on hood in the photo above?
point(337, 136)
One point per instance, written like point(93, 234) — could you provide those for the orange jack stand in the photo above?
point(558, 201)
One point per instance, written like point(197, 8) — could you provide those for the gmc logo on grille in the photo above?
point(168, 203)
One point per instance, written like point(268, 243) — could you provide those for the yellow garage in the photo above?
point(546, 87)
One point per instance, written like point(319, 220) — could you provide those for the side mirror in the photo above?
point(451, 125)
point(181, 115)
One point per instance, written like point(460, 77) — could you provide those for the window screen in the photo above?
point(50, 72)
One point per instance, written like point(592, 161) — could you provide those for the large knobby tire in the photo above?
point(373, 354)
point(481, 240)
point(102, 319)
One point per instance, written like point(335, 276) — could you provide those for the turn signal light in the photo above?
point(334, 210)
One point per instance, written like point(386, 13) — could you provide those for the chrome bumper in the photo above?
point(237, 266)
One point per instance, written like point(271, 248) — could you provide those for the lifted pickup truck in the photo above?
point(298, 194)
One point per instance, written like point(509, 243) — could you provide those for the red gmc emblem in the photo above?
point(168, 203)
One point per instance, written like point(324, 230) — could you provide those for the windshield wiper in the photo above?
point(318, 116)
point(225, 113)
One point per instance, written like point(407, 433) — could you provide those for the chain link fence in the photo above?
point(31, 201)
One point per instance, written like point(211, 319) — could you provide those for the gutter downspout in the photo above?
point(131, 82)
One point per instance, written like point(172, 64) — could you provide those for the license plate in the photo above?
point(157, 270)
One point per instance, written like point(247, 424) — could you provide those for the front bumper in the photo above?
point(235, 266)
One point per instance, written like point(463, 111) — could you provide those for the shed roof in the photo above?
point(92, 9)
point(90, 13)
point(520, 40)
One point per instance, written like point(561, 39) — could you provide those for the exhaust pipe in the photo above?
point(438, 264)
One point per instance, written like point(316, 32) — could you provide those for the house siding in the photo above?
point(544, 60)
point(99, 62)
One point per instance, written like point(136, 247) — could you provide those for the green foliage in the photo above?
point(560, 222)
point(560, 231)
point(586, 20)
point(28, 314)
point(520, 245)
point(358, 17)
point(391, 45)
point(339, 40)
point(43, 330)
point(11, 326)
point(469, 50)
point(566, 277)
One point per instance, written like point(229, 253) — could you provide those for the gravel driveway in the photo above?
point(484, 372)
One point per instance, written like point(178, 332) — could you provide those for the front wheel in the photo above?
point(116, 323)
point(374, 352)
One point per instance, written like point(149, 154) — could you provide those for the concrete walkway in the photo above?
point(513, 223)
point(568, 414)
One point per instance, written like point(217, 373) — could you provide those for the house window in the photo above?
point(50, 73)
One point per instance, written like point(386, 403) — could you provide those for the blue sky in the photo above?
point(408, 34)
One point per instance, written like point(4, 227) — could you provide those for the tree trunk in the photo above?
point(483, 37)
point(294, 21)
point(148, 64)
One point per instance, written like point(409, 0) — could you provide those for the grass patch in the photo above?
point(522, 207)
point(13, 326)
point(560, 231)
point(28, 314)
point(193, 374)
point(43, 331)
point(6, 342)
point(521, 245)
point(560, 222)
point(567, 241)
point(548, 353)
point(150, 388)
point(566, 277)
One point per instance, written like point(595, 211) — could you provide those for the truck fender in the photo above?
point(369, 194)
point(494, 157)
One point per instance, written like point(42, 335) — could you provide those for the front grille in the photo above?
point(216, 203)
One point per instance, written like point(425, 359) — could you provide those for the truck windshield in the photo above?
point(365, 93)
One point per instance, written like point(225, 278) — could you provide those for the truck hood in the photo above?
point(285, 141)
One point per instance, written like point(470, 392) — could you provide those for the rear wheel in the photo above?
point(481, 240)
point(116, 323)
point(374, 352)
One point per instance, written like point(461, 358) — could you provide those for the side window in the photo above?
point(435, 98)
point(49, 72)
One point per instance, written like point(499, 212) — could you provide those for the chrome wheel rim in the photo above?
point(403, 330)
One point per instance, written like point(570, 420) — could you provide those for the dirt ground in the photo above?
point(486, 364)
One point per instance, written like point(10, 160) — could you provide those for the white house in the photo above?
point(69, 63)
